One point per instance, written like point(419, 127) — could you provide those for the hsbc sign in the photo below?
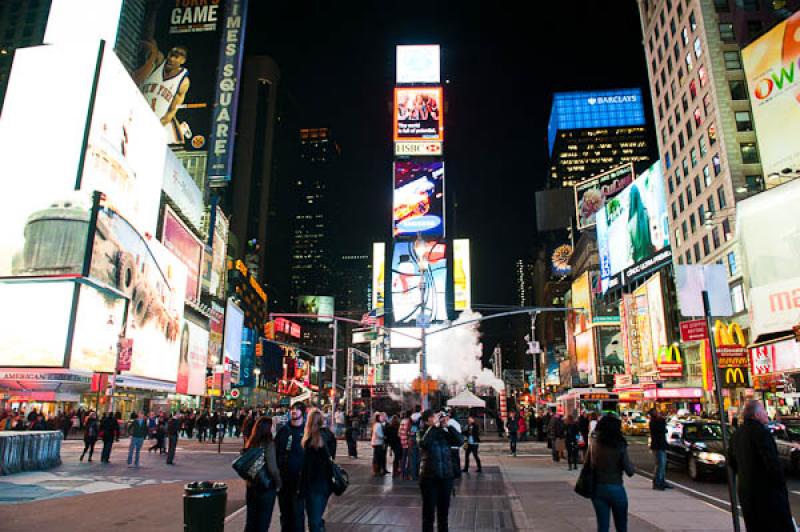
point(418, 148)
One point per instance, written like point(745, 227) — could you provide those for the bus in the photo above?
point(577, 400)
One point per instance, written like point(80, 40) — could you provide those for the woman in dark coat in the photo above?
point(90, 434)
point(393, 443)
point(571, 433)
point(608, 456)
point(261, 502)
point(319, 445)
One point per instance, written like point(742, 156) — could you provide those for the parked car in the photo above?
point(787, 438)
point(698, 448)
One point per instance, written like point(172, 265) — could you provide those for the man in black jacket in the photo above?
point(658, 446)
point(291, 459)
point(512, 426)
point(173, 427)
point(436, 469)
point(473, 437)
point(109, 428)
point(753, 456)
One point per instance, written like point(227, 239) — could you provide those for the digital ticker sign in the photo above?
point(418, 198)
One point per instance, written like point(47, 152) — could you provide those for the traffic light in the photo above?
point(259, 349)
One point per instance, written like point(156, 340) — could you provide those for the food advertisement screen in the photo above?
point(419, 198)
point(418, 113)
point(592, 194)
point(415, 290)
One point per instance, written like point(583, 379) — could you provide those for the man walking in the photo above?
point(109, 430)
point(658, 445)
point(512, 426)
point(291, 458)
point(436, 470)
point(473, 434)
point(753, 456)
point(138, 432)
point(173, 427)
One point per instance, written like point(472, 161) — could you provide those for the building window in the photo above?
point(726, 229)
point(744, 121)
point(697, 186)
point(672, 27)
point(749, 153)
point(710, 204)
point(706, 103)
point(721, 197)
point(685, 103)
point(701, 74)
point(738, 89)
point(754, 183)
point(698, 48)
point(701, 215)
point(670, 184)
point(697, 256)
point(692, 223)
point(681, 205)
point(676, 51)
point(706, 248)
point(669, 65)
point(726, 32)
point(689, 257)
point(671, 125)
point(689, 197)
point(677, 238)
point(733, 269)
point(674, 211)
point(693, 156)
point(733, 61)
point(693, 89)
point(717, 164)
point(706, 175)
point(692, 21)
point(686, 168)
point(680, 260)
point(663, 129)
point(677, 177)
point(685, 36)
point(715, 237)
point(684, 230)
point(701, 143)
point(712, 133)
point(721, 5)
point(751, 5)
point(680, 11)
point(737, 298)
point(689, 64)
point(681, 142)
point(668, 159)
point(689, 131)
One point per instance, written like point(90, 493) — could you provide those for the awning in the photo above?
point(467, 399)
point(23, 381)
point(671, 394)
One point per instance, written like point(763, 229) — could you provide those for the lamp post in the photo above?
point(257, 373)
point(420, 249)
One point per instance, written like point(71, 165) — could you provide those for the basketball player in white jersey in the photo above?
point(164, 82)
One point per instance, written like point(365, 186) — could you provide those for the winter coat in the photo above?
point(512, 425)
point(474, 431)
point(316, 474)
point(91, 431)
point(753, 456)
point(658, 434)
point(436, 460)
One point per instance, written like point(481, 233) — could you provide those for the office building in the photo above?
point(591, 132)
point(704, 121)
point(523, 282)
point(353, 284)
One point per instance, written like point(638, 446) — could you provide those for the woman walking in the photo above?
point(378, 447)
point(571, 434)
point(260, 501)
point(319, 445)
point(608, 456)
point(394, 443)
point(90, 435)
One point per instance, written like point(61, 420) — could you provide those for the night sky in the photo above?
point(337, 65)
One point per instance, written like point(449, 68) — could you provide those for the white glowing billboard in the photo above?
point(418, 63)
point(72, 21)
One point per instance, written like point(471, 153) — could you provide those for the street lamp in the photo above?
point(257, 373)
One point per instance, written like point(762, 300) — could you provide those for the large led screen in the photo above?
point(419, 198)
point(180, 240)
point(192, 362)
point(219, 267)
point(462, 274)
point(772, 67)
point(582, 303)
point(415, 289)
point(320, 305)
point(591, 195)
point(378, 275)
point(650, 321)
point(98, 324)
point(585, 357)
point(418, 113)
point(35, 319)
point(633, 227)
point(155, 280)
point(418, 63)
point(234, 323)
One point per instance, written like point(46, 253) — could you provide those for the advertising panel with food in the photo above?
point(419, 198)
point(415, 289)
point(418, 113)
point(633, 230)
point(591, 195)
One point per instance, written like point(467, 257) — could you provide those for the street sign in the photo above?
point(235, 393)
point(364, 336)
point(694, 330)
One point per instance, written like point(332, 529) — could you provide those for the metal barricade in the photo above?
point(29, 451)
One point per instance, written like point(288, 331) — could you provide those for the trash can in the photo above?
point(204, 506)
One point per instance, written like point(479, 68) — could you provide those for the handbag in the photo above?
point(586, 483)
point(250, 467)
point(339, 477)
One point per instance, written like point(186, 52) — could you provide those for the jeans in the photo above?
point(512, 440)
point(608, 499)
point(259, 509)
point(405, 462)
point(292, 506)
point(414, 462)
point(136, 443)
point(660, 472)
point(472, 450)
point(173, 443)
point(435, 503)
point(105, 456)
point(352, 448)
point(572, 455)
point(379, 459)
point(316, 501)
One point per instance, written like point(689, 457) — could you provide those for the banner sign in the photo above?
point(125, 348)
point(223, 124)
point(411, 148)
point(694, 330)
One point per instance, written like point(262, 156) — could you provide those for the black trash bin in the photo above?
point(204, 506)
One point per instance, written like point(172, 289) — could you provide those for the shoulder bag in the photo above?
point(586, 483)
point(339, 477)
point(250, 466)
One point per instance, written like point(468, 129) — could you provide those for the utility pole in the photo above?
point(333, 376)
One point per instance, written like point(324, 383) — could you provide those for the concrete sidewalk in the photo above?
point(513, 493)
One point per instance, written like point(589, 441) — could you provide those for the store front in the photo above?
point(673, 400)
point(47, 391)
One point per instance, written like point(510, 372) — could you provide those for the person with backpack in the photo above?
point(260, 500)
point(90, 434)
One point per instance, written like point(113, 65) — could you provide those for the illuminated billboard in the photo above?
point(234, 323)
point(179, 186)
point(98, 322)
point(88, 21)
point(419, 113)
point(378, 274)
point(418, 64)
point(582, 299)
point(192, 362)
point(418, 198)
point(35, 318)
point(772, 67)
point(462, 274)
point(633, 230)
point(320, 305)
point(591, 194)
point(611, 352)
point(585, 357)
point(650, 321)
point(155, 280)
point(415, 289)
point(218, 264)
point(768, 229)
point(183, 244)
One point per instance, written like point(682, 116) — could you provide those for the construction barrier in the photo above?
point(29, 450)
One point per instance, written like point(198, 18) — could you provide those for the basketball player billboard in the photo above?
point(178, 72)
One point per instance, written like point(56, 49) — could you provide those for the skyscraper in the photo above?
point(353, 283)
point(311, 255)
point(704, 121)
point(591, 132)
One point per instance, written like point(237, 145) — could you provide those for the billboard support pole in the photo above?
point(723, 423)
point(335, 325)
